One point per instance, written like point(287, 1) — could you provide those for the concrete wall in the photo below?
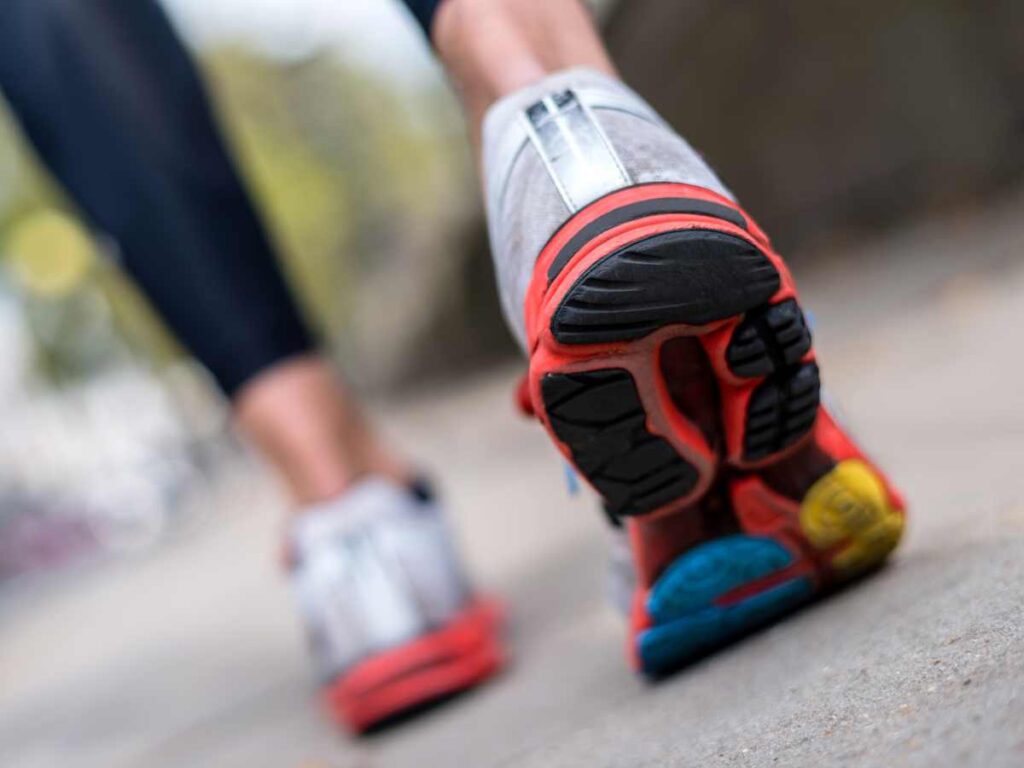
point(827, 117)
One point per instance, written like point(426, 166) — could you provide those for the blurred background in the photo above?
point(855, 131)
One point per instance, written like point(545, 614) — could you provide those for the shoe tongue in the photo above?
point(375, 501)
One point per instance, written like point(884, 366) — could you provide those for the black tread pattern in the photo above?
point(600, 416)
point(768, 340)
point(781, 411)
point(657, 207)
point(692, 276)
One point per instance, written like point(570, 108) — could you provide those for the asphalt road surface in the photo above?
point(191, 657)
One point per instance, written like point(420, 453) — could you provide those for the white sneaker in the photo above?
point(391, 618)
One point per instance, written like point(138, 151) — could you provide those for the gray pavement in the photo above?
point(191, 657)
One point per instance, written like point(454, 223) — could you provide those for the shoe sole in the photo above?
point(846, 525)
point(713, 594)
point(630, 273)
point(460, 655)
point(658, 263)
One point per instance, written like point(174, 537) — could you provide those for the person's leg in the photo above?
point(303, 419)
point(113, 104)
point(491, 48)
point(631, 277)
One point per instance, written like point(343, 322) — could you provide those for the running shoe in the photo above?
point(391, 620)
point(672, 365)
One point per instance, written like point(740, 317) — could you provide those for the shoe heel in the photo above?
point(691, 277)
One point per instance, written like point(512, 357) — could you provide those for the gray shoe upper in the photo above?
point(373, 570)
point(552, 148)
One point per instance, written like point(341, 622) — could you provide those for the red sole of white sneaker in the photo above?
point(462, 654)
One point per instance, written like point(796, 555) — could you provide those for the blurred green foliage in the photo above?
point(346, 166)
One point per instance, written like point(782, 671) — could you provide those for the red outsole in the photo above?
point(462, 654)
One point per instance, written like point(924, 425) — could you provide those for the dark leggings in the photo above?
point(113, 104)
point(424, 11)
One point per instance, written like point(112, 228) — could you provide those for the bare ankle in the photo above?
point(494, 47)
point(303, 420)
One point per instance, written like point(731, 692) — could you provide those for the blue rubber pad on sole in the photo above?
point(687, 623)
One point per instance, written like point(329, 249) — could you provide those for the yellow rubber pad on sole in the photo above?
point(849, 508)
